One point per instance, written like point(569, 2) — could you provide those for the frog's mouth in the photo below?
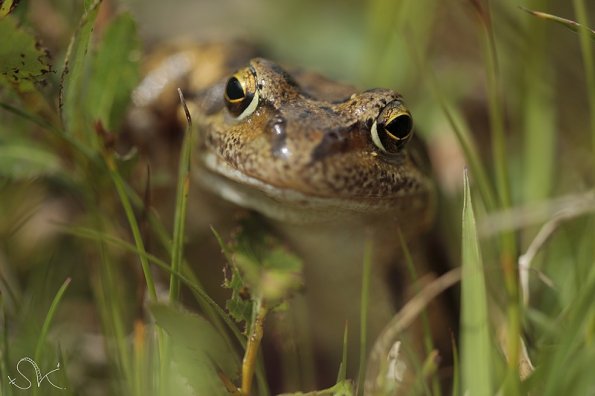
point(284, 204)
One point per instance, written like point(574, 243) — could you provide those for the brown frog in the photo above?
point(328, 166)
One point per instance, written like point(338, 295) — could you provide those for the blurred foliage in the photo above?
point(197, 349)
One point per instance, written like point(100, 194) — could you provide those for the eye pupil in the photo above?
point(393, 128)
point(234, 90)
point(241, 95)
point(400, 126)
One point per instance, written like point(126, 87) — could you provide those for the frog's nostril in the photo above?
point(278, 137)
point(400, 126)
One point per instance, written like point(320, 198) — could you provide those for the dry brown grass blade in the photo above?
point(401, 321)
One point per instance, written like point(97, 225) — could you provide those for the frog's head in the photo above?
point(298, 141)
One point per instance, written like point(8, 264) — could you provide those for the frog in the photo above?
point(334, 170)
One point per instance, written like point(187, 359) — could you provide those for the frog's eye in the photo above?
point(393, 128)
point(241, 95)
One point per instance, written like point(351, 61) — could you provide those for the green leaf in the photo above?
point(23, 60)
point(269, 269)
point(239, 305)
point(342, 388)
point(75, 64)
point(7, 6)
point(25, 161)
point(114, 72)
point(263, 270)
point(475, 336)
point(199, 352)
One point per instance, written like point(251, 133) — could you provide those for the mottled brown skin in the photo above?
point(305, 159)
point(315, 142)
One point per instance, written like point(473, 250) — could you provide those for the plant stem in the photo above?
point(254, 338)
point(587, 51)
point(507, 239)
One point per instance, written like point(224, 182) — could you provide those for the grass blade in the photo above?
point(48, 319)
point(98, 236)
point(73, 73)
point(508, 248)
point(475, 337)
point(343, 366)
point(47, 322)
point(133, 223)
point(367, 268)
point(496, 109)
point(572, 25)
point(587, 50)
point(539, 115)
point(462, 132)
point(183, 187)
point(114, 71)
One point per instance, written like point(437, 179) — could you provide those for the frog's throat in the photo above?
point(295, 207)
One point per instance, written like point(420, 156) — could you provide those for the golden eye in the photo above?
point(241, 95)
point(393, 127)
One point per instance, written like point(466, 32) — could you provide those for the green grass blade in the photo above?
point(475, 336)
point(48, 319)
point(26, 161)
point(589, 63)
point(539, 114)
point(110, 300)
point(343, 366)
point(188, 277)
point(64, 380)
point(364, 301)
point(73, 73)
point(134, 227)
point(94, 235)
point(495, 106)
point(462, 133)
point(508, 248)
point(114, 72)
point(183, 187)
point(574, 342)
point(26, 115)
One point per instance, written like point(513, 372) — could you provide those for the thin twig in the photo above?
point(520, 217)
point(539, 241)
point(254, 338)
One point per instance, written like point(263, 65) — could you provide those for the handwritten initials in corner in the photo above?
point(39, 377)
